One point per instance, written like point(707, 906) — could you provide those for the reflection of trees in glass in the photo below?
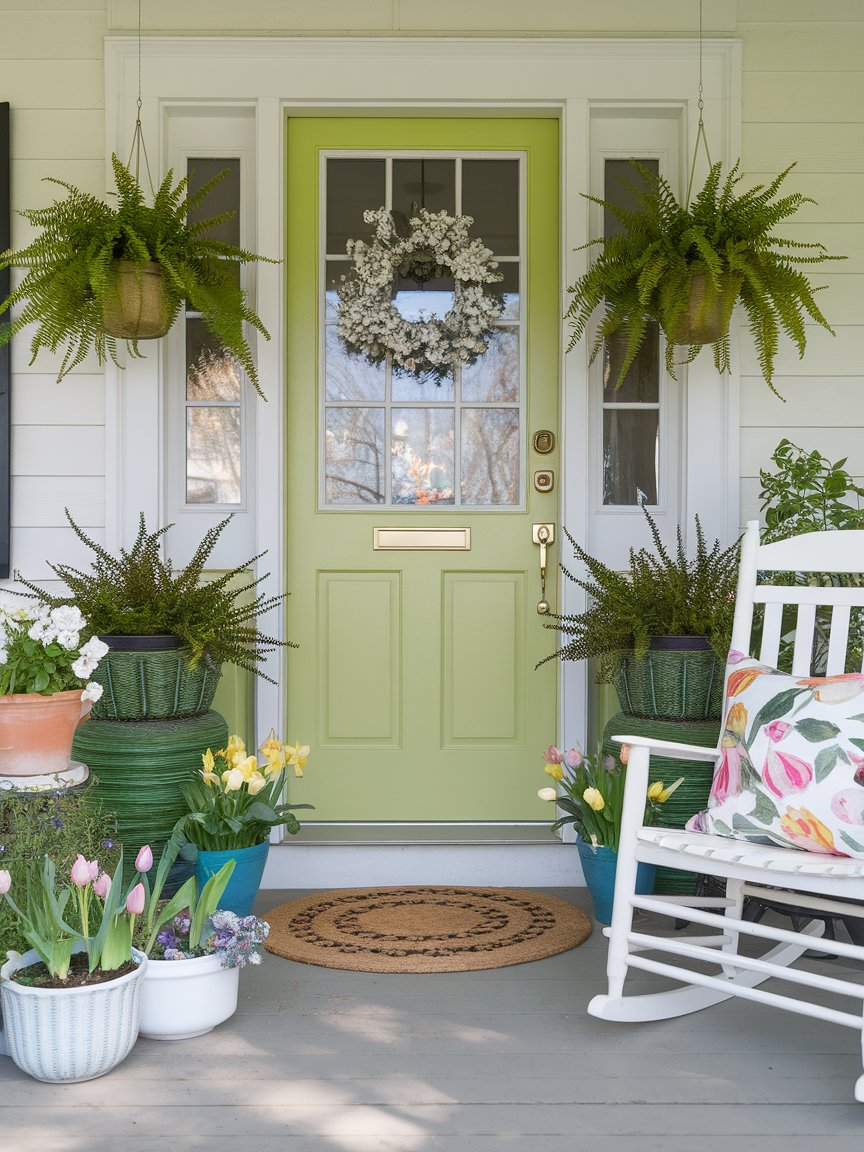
point(495, 376)
point(422, 452)
point(355, 456)
point(351, 377)
point(630, 456)
point(215, 375)
point(213, 455)
point(490, 456)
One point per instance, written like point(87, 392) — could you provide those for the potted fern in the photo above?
point(686, 266)
point(100, 273)
point(168, 630)
point(660, 630)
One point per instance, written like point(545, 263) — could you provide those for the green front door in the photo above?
point(415, 680)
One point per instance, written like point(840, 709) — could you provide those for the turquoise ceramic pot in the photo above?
point(598, 866)
point(245, 879)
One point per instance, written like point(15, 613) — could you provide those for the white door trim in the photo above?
point(563, 78)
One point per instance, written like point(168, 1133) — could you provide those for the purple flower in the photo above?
point(167, 939)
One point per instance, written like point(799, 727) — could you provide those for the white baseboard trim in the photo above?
point(297, 865)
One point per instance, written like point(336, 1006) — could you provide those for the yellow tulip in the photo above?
point(232, 780)
point(256, 783)
point(208, 761)
point(548, 794)
point(274, 750)
point(248, 766)
point(555, 771)
point(297, 757)
point(209, 778)
point(659, 794)
point(594, 799)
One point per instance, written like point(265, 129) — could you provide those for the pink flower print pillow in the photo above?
point(791, 764)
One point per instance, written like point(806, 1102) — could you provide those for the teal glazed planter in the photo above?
point(598, 867)
point(245, 881)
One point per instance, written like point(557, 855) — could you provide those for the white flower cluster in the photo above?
point(369, 322)
point(61, 625)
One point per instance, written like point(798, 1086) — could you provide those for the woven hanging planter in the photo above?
point(683, 683)
point(708, 313)
point(139, 308)
point(138, 771)
point(153, 685)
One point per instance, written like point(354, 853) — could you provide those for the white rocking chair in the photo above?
point(800, 879)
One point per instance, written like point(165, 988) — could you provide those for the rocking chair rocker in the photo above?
point(708, 968)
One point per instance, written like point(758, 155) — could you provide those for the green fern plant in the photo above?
point(643, 273)
point(139, 593)
point(70, 269)
point(660, 594)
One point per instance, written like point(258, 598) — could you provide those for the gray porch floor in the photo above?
point(328, 1061)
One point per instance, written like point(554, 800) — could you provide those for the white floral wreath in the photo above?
point(436, 245)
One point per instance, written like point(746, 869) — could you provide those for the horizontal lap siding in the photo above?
point(52, 69)
point(803, 95)
point(803, 99)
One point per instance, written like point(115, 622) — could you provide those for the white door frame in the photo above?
point(564, 78)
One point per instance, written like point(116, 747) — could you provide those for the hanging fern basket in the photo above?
point(707, 313)
point(138, 308)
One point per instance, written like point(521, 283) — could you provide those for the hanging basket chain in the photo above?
point(700, 131)
point(138, 145)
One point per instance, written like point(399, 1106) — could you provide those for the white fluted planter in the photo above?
point(185, 998)
point(66, 1035)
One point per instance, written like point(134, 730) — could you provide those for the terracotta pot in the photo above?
point(138, 308)
point(36, 732)
point(708, 312)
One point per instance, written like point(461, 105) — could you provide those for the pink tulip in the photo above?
point(5, 881)
point(783, 774)
point(83, 871)
point(144, 859)
point(102, 886)
point(727, 774)
point(848, 805)
point(136, 899)
point(553, 755)
point(573, 757)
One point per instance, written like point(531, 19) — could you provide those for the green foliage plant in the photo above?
point(643, 272)
point(58, 824)
point(807, 492)
point(71, 269)
point(138, 592)
point(660, 594)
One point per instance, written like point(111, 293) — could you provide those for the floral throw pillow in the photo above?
point(791, 768)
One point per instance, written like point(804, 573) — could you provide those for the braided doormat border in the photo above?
point(424, 928)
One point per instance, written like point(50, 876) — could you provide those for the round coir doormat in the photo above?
point(424, 929)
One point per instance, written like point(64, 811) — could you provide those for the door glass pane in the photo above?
point(490, 193)
point(642, 382)
point(422, 450)
point(212, 455)
point(630, 467)
point(405, 386)
point(630, 450)
point(490, 456)
point(352, 186)
point(224, 197)
point(212, 373)
point(428, 183)
point(350, 377)
point(495, 376)
point(508, 286)
point(354, 456)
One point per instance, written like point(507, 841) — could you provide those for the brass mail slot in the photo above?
point(421, 539)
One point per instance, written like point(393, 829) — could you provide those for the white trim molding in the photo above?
point(564, 78)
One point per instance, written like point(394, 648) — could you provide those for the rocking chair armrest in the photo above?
point(670, 748)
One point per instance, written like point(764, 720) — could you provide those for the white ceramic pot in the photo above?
point(184, 998)
point(65, 1035)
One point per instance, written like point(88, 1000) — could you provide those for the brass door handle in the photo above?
point(544, 535)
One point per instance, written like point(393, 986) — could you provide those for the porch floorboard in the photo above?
point(335, 1061)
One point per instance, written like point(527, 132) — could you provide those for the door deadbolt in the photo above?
point(543, 441)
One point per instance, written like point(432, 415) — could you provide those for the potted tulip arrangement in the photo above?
point(232, 808)
point(195, 951)
point(591, 794)
point(46, 686)
point(81, 968)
